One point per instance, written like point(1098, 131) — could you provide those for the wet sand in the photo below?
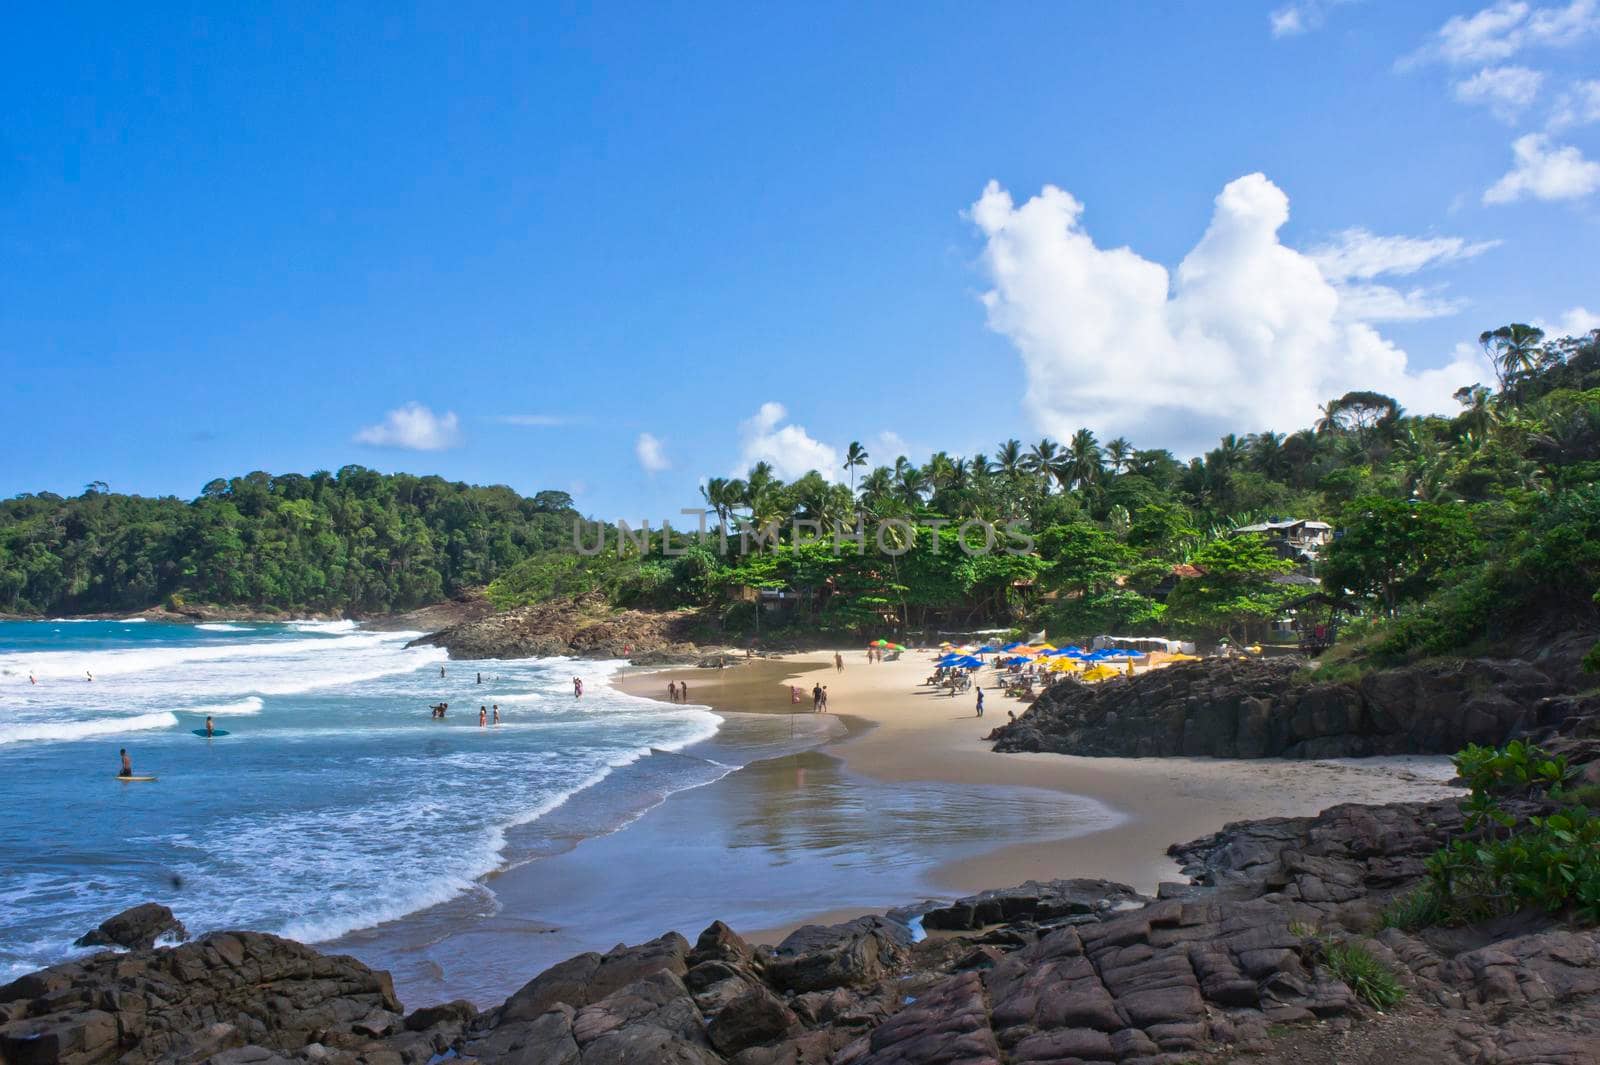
point(918, 735)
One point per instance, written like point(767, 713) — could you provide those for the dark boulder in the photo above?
point(136, 928)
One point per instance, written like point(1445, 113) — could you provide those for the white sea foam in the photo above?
point(221, 626)
point(76, 730)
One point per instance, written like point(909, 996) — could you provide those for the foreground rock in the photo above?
point(1262, 709)
point(1058, 971)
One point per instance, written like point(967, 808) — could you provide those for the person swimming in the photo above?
point(438, 710)
point(127, 764)
point(86, 673)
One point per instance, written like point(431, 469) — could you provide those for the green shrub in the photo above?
point(1552, 862)
point(1364, 974)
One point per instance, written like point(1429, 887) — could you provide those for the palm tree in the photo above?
point(1266, 453)
point(1041, 461)
point(876, 488)
point(854, 456)
point(1119, 451)
point(715, 492)
point(1084, 464)
point(1514, 349)
point(912, 484)
point(1329, 420)
point(1009, 459)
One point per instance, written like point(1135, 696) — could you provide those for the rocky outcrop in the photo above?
point(1060, 971)
point(584, 626)
point(136, 928)
point(1260, 709)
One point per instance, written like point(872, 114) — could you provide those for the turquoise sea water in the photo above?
point(334, 804)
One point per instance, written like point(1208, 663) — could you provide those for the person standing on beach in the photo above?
point(483, 716)
point(816, 698)
point(794, 693)
point(127, 764)
point(980, 702)
point(824, 706)
point(838, 662)
point(672, 691)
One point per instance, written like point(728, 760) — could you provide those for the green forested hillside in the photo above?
point(1451, 529)
point(356, 541)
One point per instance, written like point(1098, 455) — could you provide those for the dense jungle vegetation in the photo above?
point(1451, 530)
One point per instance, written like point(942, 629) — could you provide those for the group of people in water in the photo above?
point(677, 693)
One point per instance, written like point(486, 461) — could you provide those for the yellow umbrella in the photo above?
point(1063, 665)
point(1102, 672)
point(1130, 667)
point(1047, 647)
point(1181, 657)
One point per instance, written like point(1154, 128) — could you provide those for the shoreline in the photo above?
point(913, 735)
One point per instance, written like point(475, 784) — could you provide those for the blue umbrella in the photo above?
point(948, 660)
point(988, 649)
point(1013, 644)
point(967, 662)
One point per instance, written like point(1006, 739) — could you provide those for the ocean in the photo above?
point(334, 804)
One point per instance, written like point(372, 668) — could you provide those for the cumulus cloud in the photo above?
point(415, 428)
point(1577, 322)
point(1545, 172)
point(1506, 28)
point(1248, 332)
point(1578, 106)
point(652, 455)
point(1505, 91)
point(788, 448)
point(1300, 16)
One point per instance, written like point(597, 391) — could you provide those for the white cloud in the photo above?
point(1577, 322)
point(1358, 254)
point(1250, 332)
point(1545, 173)
point(885, 447)
point(788, 448)
point(1506, 28)
point(415, 428)
point(652, 455)
point(1381, 303)
point(1578, 106)
point(1506, 91)
point(1300, 16)
point(534, 420)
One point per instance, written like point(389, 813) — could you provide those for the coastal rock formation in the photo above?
point(1058, 971)
point(584, 626)
point(1262, 709)
point(136, 928)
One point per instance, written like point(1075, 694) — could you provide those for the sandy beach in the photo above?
point(889, 799)
point(913, 734)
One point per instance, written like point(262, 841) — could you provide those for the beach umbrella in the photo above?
point(1181, 657)
point(947, 660)
point(1063, 665)
point(987, 649)
point(897, 647)
point(1049, 647)
point(879, 643)
point(968, 662)
point(1101, 672)
point(1013, 645)
point(1130, 667)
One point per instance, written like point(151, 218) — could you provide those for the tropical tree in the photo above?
point(855, 457)
point(1513, 349)
point(1084, 462)
point(1119, 452)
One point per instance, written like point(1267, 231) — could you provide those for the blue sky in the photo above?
point(614, 251)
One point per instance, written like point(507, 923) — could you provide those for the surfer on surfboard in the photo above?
point(210, 731)
point(127, 764)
